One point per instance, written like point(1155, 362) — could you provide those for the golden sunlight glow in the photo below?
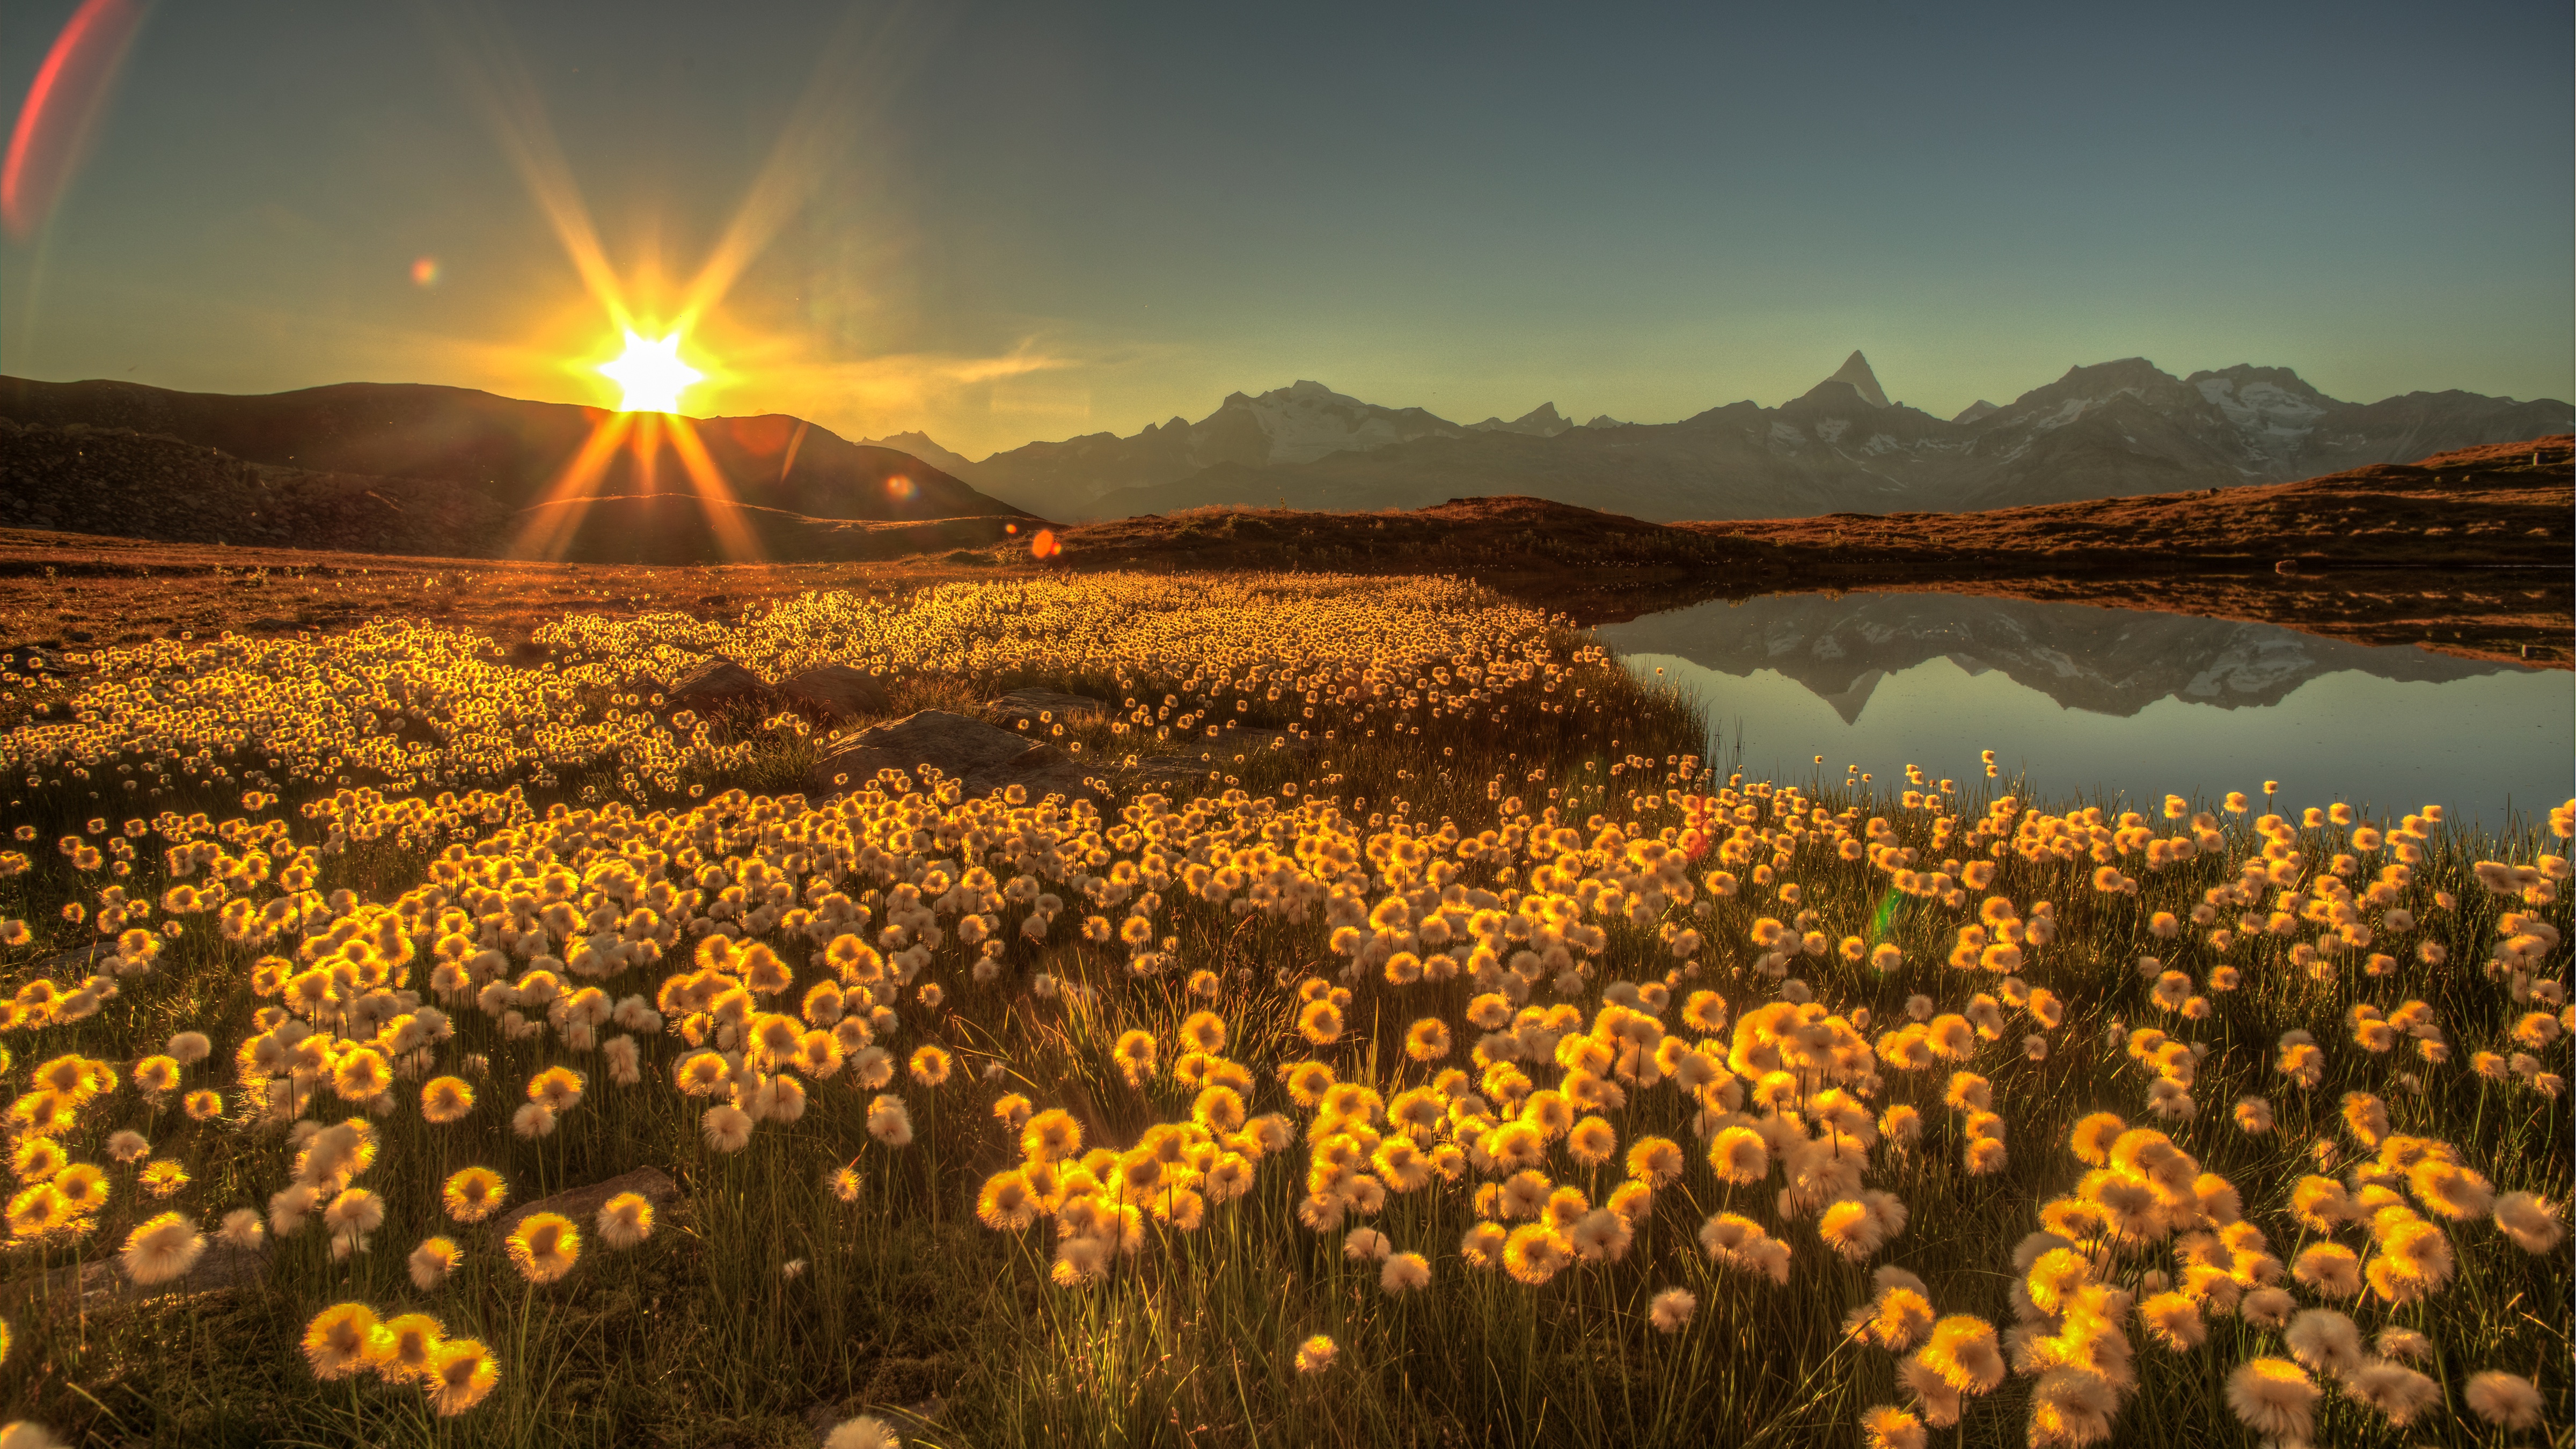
point(652, 374)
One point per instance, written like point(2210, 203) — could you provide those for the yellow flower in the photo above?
point(412, 1340)
point(544, 1246)
point(446, 1099)
point(461, 1372)
point(343, 1339)
point(475, 1193)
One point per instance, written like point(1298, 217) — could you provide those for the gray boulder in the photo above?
point(980, 756)
point(717, 685)
point(836, 691)
point(582, 1204)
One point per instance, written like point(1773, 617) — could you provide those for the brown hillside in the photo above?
point(2507, 505)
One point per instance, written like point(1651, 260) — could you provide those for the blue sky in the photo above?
point(1005, 222)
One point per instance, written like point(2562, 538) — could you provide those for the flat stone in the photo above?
point(836, 691)
point(981, 757)
point(718, 684)
point(102, 1284)
point(582, 1204)
point(76, 964)
point(1028, 704)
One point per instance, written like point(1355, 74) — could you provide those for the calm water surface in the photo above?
point(2105, 703)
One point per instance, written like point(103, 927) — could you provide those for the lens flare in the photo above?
point(62, 105)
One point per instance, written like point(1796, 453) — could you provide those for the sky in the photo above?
point(1006, 222)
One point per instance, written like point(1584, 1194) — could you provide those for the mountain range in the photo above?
point(2114, 429)
point(451, 471)
point(411, 468)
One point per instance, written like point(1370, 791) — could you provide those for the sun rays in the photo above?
point(649, 371)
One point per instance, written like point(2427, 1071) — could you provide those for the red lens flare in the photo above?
point(1044, 545)
point(55, 121)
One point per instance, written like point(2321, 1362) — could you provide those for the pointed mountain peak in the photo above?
point(1855, 371)
point(1975, 410)
point(920, 445)
point(1543, 421)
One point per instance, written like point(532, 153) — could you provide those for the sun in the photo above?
point(652, 374)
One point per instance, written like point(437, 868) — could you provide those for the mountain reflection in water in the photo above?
point(2099, 702)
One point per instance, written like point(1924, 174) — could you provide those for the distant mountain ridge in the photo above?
point(480, 463)
point(2113, 429)
point(1285, 426)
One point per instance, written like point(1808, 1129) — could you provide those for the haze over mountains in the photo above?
point(2110, 430)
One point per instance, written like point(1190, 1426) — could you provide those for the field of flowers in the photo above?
point(1463, 1060)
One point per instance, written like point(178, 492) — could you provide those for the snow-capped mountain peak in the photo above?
point(2270, 406)
point(1305, 420)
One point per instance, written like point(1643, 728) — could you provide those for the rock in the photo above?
point(980, 756)
point(1028, 704)
point(582, 1204)
point(836, 691)
point(719, 684)
point(101, 1284)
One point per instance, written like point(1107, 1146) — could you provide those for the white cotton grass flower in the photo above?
point(1887, 1427)
point(2274, 1399)
point(2508, 1401)
point(163, 1248)
point(2325, 1342)
point(726, 1127)
point(2530, 1221)
point(243, 1229)
point(889, 1121)
point(288, 1207)
point(432, 1261)
point(129, 1146)
point(2071, 1406)
point(867, 1431)
point(2405, 1344)
point(2396, 1392)
point(625, 1220)
point(1672, 1310)
point(1404, 1273)
point(355, 1212)
point(26, 1433)
point(1317, 1354)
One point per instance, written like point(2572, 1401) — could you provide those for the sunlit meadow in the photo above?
point(1451, 1057)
